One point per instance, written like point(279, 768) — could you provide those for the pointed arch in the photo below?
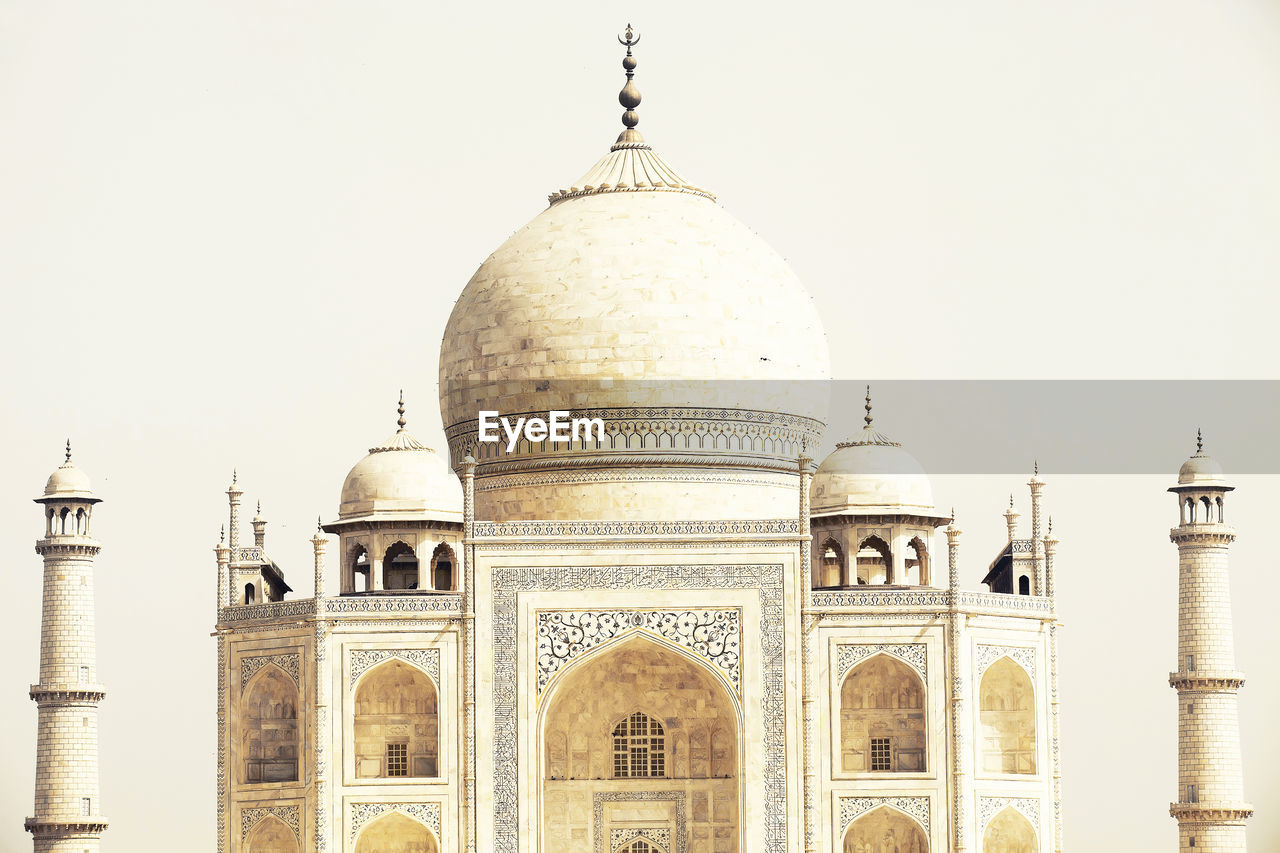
point(271, 835)
point(444, 566)
point(882, 718)
point(1006, 701)
point(918, 566)
point(635, 681)
point(831, 564)
point(360, 569)
point(396, 722)
point(400, 566)
point(640, 845)
point(886, 828)
point(875, 561)
point(396, 832)
point(269, 731)
point(1010, 832)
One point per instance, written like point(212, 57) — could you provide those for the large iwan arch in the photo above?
point(269, 727)
point(1007, 714)
point(625, 726)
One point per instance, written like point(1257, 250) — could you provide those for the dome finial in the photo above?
point(867, 416)
point(68, 450)
point(1199, 443)
point(400, 408)
point(629, 97)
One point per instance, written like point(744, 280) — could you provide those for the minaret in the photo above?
point(68, 815)
point(1210, 807)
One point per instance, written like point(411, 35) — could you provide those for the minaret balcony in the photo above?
point(1205, 680)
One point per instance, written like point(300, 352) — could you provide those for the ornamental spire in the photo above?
point(629, 97)
point(400, 422)
point(1199, 443)
point(867, 416)
point(68, 450)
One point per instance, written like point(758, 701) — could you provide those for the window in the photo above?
point(1191, 708)
point(85, 807)
point(1192, 795)
point(1193, 842)
point(1191, 663)
point(84, 675)
point(638, 748)
point(880, 754)
point(397, 759)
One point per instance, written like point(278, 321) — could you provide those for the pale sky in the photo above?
point(230, 232)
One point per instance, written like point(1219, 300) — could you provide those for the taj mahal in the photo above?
point(681, 634)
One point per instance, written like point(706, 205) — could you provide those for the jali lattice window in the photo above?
point(639, 746)
point(397, 759)
point(881, 755)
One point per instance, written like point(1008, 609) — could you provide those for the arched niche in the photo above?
point(397, 723)
point(361, 578)
point(271, 836)
point(639, 845)
point(917, 564)
point(882, 718)
point(1010, 832)
point(396, 832)
point(1006, 699)
point(269, 727)
point(885, 830)
point(633, 680)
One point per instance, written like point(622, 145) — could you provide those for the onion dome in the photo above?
point(68, 482)
point(401, 478)
point(1201, 470)
point(634, 295)
point(871, 474)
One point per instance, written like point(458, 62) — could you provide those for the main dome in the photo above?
point(635, 298)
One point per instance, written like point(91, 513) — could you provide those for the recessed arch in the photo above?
point(396, 722)
point(632, 677)
point(270, 736)
point(361, 569)
point(831, 564)
point(400, 567)
point(885, 828)
point(1010, 832)
point(882, 718)
point(918, 566)
point(271, 835)
point(874, 561)
point(444, 568)
point(640, 845)
point(396, 832)
point(1006, 699)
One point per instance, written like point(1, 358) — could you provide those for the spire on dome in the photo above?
point(631, 165)
point(402, 440)
point(629, 97)
point(68, 450)
point(869, 435)
point(1199, 443)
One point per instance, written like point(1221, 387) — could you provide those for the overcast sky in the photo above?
point(230, 232)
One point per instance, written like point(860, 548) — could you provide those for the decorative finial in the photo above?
point(867, 416)
point(1050, 525)
point(222, 534)
point(629, 97)
point(68, 450)
point(1199, 443)
point(234, 476)
point(1035, 468)
point(1011, 500)
point(319, 525)
point(400, 408)
point(259, 506)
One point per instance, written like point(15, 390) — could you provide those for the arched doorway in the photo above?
point(1010, 832)
point(640, 735)
point(271, 836)
point(396, 832)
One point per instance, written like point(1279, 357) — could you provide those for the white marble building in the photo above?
point(677, 638)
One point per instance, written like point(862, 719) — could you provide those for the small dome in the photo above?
point(1201, 469)
point(68, 481)
point(871, 474)
point(401, 478)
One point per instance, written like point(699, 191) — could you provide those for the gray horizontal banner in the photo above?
point(952, 427)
